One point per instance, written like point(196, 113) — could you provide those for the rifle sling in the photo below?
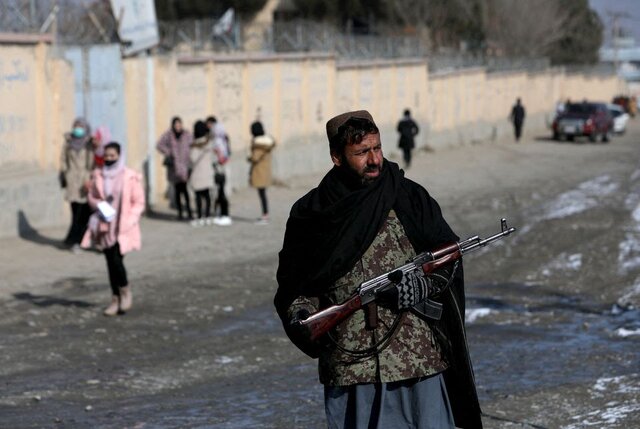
point(378, 346)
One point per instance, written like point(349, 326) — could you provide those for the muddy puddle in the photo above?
point(542, 339)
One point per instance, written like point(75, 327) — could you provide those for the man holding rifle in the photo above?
point(389, 365)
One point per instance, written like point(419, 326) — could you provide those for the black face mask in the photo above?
point(110, 162)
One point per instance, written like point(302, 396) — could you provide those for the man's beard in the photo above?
point(355, 178)
point(370, 169)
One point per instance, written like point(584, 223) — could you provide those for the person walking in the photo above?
point(260, 170)
point(388, 366)
point(201, 178)
point(174, 145)
point(76, 164)
point(221, 150)
point(517, 118)
point(408, 130)
point(117, 196)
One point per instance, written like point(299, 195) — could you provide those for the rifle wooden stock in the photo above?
point(446, 258)
point(323, 321)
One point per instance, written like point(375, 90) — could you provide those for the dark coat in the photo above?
point(517, 114)
point(408, 129)
point(331, 227)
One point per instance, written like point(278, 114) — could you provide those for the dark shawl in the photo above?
point(331, 227)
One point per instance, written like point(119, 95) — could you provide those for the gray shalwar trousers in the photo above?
point(418, 403)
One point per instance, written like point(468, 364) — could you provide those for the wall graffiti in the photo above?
point(12, 72)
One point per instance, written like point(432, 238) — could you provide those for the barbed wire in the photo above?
point(71, 21)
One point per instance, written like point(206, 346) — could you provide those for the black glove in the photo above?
point(410, 289)
point(300, 315)
point(300, 334)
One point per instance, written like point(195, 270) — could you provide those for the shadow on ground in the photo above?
point(29, 233)
point(49, 301)
point(163, 216)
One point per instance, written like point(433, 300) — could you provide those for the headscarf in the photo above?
point(102, 135)
point(176, 134)
point(78, 143)
point(257, 129)
point(200, 129)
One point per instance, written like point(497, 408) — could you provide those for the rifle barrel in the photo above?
point(483, 242)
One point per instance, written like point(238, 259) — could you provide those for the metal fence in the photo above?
point(76, 22)
point(198, 35)
point(309, 36)
point(300, 36)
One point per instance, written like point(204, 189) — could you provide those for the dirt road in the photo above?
point(552, 312)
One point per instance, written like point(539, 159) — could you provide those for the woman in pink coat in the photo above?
point(117, 197)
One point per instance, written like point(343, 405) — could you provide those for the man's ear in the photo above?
point(336, 158)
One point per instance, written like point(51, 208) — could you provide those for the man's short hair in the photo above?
point(211, 119)
point(407, 112)
point(349, 128)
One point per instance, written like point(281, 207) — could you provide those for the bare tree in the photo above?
point(524, 29)
point(447, 22)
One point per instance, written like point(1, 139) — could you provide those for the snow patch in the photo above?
point(583, 198)
point(604, 418)
point(635, 214)
point(472, 315)
point(223, 360)
point(623, 332)
point(629, 252)
point(632, 292)
point(574, 261)
point(619, 384)
point(563, 262)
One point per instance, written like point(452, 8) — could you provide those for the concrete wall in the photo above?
point(37, 105)
point(468, 106)
point(293, 95)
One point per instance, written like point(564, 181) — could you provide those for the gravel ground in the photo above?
point(553, 320)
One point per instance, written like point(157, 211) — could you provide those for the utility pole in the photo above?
point(615, 35)
point(32, 15)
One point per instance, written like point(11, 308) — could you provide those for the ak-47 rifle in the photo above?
point(323, 321)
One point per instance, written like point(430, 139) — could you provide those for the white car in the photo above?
point(620, 118)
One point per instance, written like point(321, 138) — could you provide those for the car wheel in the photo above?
point(593, 137)
point(570, 138)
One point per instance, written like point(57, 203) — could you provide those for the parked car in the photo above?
point(620, 118)
point(629, 104)
point(587, 119)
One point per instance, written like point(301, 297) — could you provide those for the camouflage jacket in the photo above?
point(412, 352)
